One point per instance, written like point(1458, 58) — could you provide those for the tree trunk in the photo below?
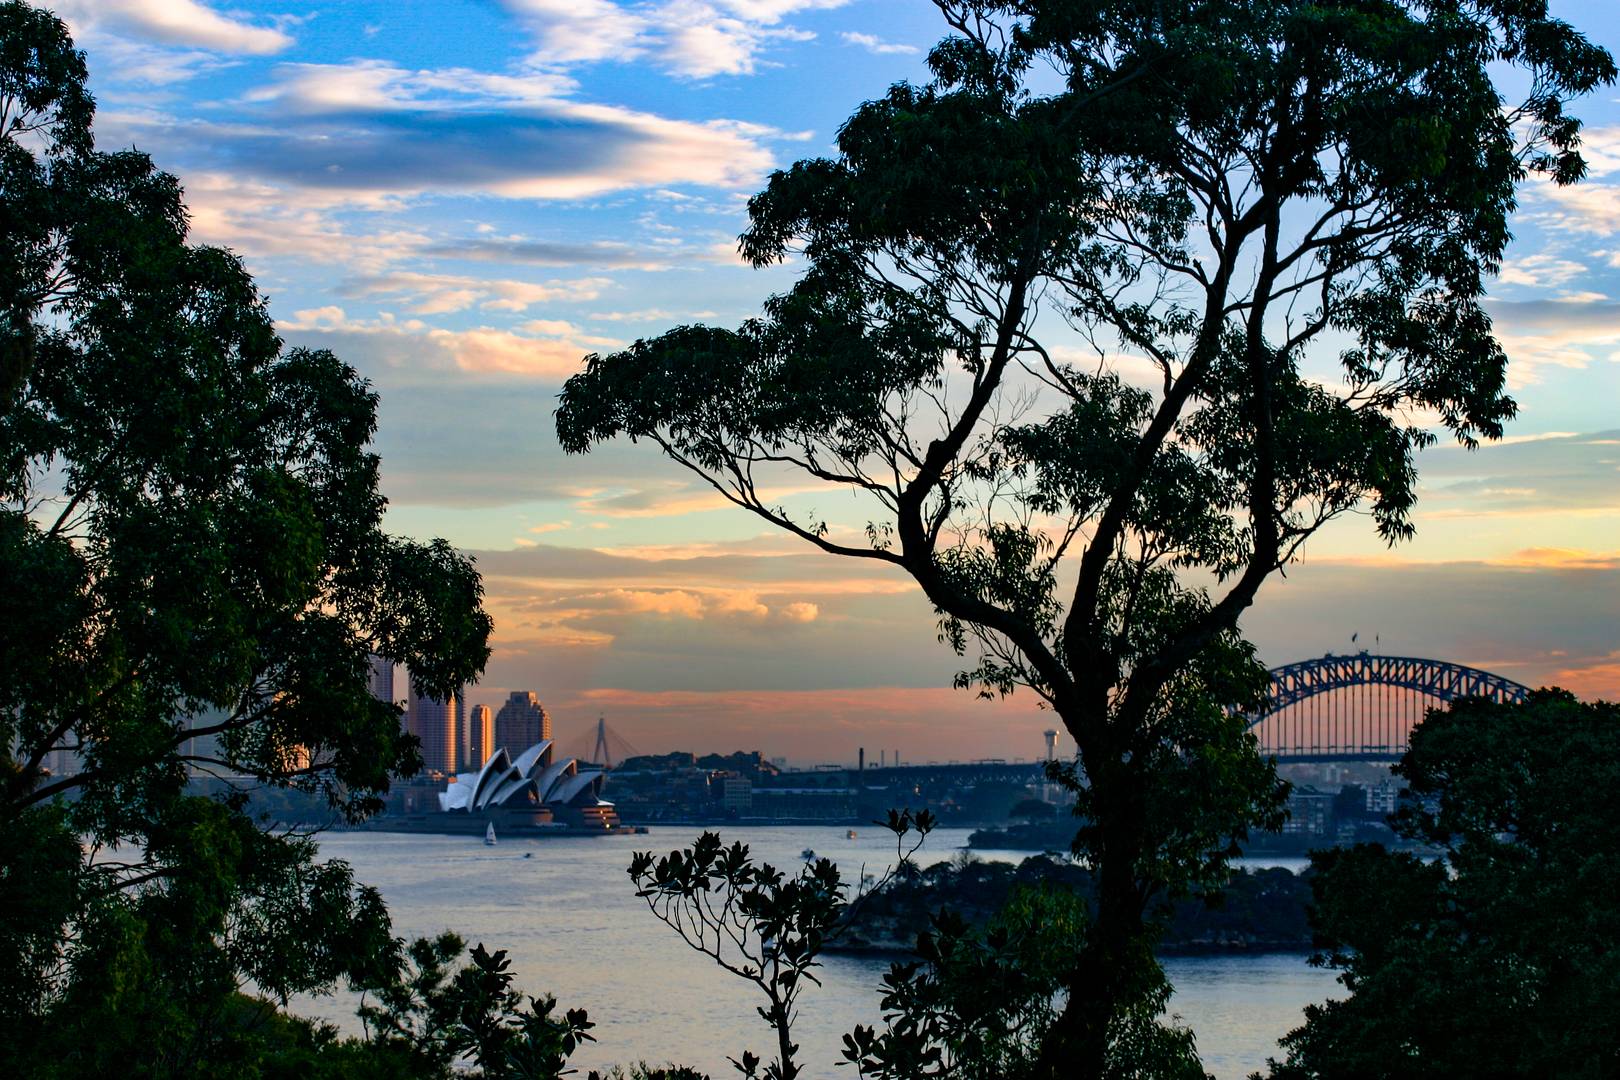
point(784, 1042)
point(1115, 967)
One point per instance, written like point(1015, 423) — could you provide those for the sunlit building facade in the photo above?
point(479, 735)
point(434, 723)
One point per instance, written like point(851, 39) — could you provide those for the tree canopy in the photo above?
point(193, 577)
point(1498, 959)
point(1164, 287)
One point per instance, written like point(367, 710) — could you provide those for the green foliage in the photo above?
point(193, 577)
point(1256, 909)
point(1243, 195)
point(644, 1071)
point(756, 922)
point(1499, 958)
point(979, 1002)
point(427, 1017)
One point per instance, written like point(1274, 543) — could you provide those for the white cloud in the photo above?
point(690, 38)
point(874, 44)
point(1541, 334)
point(1600, 146)
point(1541, 271)
point(414, 346)
point(369, 132)
point(1588, 208)
point(376, 85)
point(583, 31)
point(438, 294)
point(173, 22)
point(315, 318)
point(260, 220)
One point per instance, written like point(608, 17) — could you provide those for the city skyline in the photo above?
point(462, 200)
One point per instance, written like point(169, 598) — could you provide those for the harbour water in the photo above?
point(573, 927)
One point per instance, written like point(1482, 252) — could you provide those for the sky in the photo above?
point(462, 199)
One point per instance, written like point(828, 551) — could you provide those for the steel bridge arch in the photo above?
point(1436, 679)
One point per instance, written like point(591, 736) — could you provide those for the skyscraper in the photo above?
point(380, 681)
point(434, 723)
point(521, 722)
point(480, 735)
point(462, 736)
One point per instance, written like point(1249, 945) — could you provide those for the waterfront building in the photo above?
point(434, 723)
point(479, 735)
point(535, 786)
point(737, 795)
point(522, 720)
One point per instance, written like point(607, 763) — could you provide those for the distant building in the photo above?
point(820, 795)
point(1309, 813)
point(62, 761)
point(463, 738)
point(737, 795)
point(522, 720)
point(380, 680)
point(1381, 799)
point(434, 723)
point(480, 735)
point(535, 786)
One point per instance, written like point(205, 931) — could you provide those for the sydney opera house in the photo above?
point(534, 789)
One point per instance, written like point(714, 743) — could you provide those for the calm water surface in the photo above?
point(573, 927)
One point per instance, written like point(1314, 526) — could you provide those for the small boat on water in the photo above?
point(489, 835)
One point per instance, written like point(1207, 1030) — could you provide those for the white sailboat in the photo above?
point(489, 835)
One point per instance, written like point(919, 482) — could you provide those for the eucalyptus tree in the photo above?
point(1282, 213)
point(193, 576)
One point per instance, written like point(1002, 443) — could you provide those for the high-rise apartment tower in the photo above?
point(434, 723)
point(521, 722)
point(380, 679)
point(480, 736)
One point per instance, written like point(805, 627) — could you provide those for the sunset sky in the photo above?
point(462, 199)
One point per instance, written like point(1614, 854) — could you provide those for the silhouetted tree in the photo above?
point(761, 924)
point(193, 575)
point(978, 1004)
point(1499, 958)
point(1270, 221)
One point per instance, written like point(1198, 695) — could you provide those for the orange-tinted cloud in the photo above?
point(1568, 558)
point(1598, 680)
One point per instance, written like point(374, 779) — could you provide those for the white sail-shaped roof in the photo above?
point(529, 758)
point(554, 772)
point(496, 767)
point(514, 790)
point(502, 780)
point(570, 789)
point(457, 796)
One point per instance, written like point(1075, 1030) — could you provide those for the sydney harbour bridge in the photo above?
point(1355, 707)
point(1363, 707)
